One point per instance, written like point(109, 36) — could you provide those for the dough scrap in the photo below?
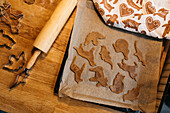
point(139, 55)
point(93, 36)
point(128, 68)
point(118, 84)
point(86, 54)
point(99, 76)
point(77, 70)
point(122, 45)
point(104, 53)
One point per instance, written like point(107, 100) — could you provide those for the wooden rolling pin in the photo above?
point(48, 35)
point(51, 29)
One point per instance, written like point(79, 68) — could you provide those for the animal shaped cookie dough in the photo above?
point(112, 19)
point(99, 76)
point(122, 45)
point(100, 10)
point(132, 4)
point(152, 24)
point(131, 24)
point(77, 70)
point(132, 94)
point(104, 53)
point(139, 54)
point(107, 5)
point(139, 15)
point(125, 11)
point(93, 36)
point(130, 69)
point(162, 13)
point(167, 29)
point(118, 84)
point(149, 8)
point(86, 54)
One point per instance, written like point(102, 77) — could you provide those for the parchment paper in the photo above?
point(87, 21)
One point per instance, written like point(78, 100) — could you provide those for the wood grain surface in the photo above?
point(38, 93)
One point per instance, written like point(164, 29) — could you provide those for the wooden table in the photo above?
point(38, 93)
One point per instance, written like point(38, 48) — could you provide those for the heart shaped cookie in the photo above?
point(125, 11)
point(152, 24)
point(149, 8)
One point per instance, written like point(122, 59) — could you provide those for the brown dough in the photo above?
point(132, 94)
point(141, 1)
point(124, 10)
point(100, 10)
point(139, 16)
point(77, 70)
point(104, 53)
point(162, 13)
point(131, 24)
point(115, 1)
point(99, 76)
point(152, 24)
point(118, 85)
point(86, 54)
point(122, 45)
point(107, 5)
point(139, 54)
point(167, 29)
point(132, 4)
point(130, 69)
point(112, 19)
point(93, 36)
point(149, 8)
point(29, 1)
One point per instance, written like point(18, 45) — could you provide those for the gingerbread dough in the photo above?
point(107, 5)
point(112, 19)
point(130, 69)
point(162, 13)
point(93, 36)
point(132, 4)
point(131, 24)
point(125, 11)
point(152, 24)
point(100, 10)
point(141, 1)
point(149, 8)
point(86, 54)
point(167, 29)
point(132, 94)
point(122, 45)
point(77, 70)
point(118, 84)
point(139, 54)
point(99, 76)
point(104, 53)
point(138, 15)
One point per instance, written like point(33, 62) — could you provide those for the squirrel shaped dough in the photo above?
point(130, 69)
point(99, 76)
point(118, 85)
point(77, 70)
point(122, 45)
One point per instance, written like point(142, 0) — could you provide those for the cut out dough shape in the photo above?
point(99, 76)
point(122, 45)
point(141, 1)
point(86, 54)
point(118, 84)
point(167, 29)
point(139, 16)
point(130, 69)
point(29, 2)
point(78, 72)
point(100, 10)
point(132, 4)
point(132, 94)
point(112, 19)
point(93, 36)
point(139, 54)
point(149, 8)
point(162, 13)
point(152, 24)
point(125, 11)
point(105, 55)
point(131, 24)
point(107, 5)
